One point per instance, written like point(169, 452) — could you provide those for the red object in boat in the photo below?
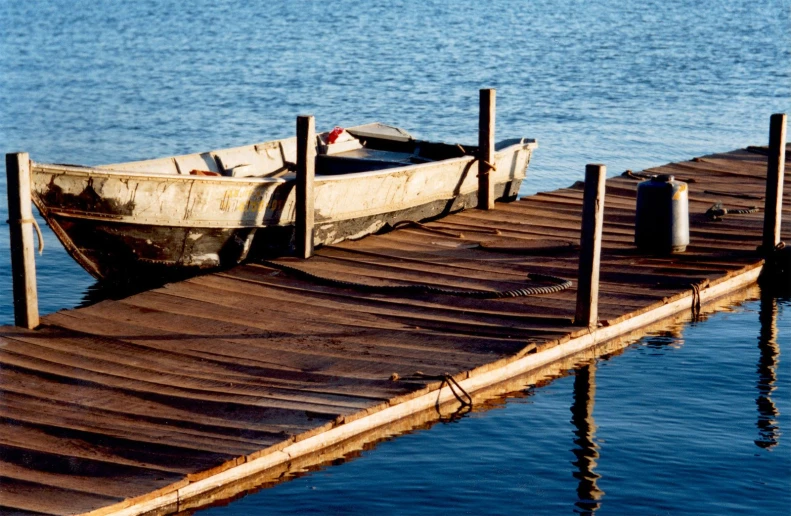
point(334, 134)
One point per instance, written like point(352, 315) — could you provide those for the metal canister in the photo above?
point(662, 224)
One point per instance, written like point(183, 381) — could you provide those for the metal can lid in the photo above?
point(662, 178)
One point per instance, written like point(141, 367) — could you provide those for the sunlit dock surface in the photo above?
point(168, 398)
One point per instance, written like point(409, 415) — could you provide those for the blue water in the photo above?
point(626, 83)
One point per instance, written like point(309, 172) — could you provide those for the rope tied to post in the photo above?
point(491, 166)
point(591, 327)
point(768, 253)
point(36, 227)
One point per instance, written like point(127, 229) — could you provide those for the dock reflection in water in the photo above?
point(768, 430)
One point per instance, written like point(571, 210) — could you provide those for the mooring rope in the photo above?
point(36, 227)
point(695, 301)
point(490, 165)
point(464, 398)
point(717, 211)
point(558, 284)
point(779, 247)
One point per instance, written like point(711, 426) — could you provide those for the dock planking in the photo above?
point(110, 406)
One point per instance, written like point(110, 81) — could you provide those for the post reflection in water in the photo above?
point(586, 450)
point(768, 431)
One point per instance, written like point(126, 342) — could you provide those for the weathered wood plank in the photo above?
point(17, 499)
point(186, 391)
point(96, 401)
point(329, 353)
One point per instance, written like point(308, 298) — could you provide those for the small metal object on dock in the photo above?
point(662, 220)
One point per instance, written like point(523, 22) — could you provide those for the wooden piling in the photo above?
point(590, 246)
point(306, 171)
point(774, 182)
point(486, 123)
point(20, 220)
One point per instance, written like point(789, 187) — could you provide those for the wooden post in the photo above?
point(486, 125)
point(306, 171)
point(774, 182)
point(587, 313)
point(20, 220)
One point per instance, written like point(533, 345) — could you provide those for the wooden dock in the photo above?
point(154, 401)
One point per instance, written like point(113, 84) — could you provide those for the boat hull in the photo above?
point(126, 225)
point(120, 251)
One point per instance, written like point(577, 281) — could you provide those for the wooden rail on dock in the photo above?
point(151, 401)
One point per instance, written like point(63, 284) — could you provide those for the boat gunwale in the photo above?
point(89, 171)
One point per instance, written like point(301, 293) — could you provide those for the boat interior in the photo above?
point(368, 147)
point(363, 148)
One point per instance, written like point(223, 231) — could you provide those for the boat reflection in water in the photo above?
point(768, 429)
point(586, 450)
